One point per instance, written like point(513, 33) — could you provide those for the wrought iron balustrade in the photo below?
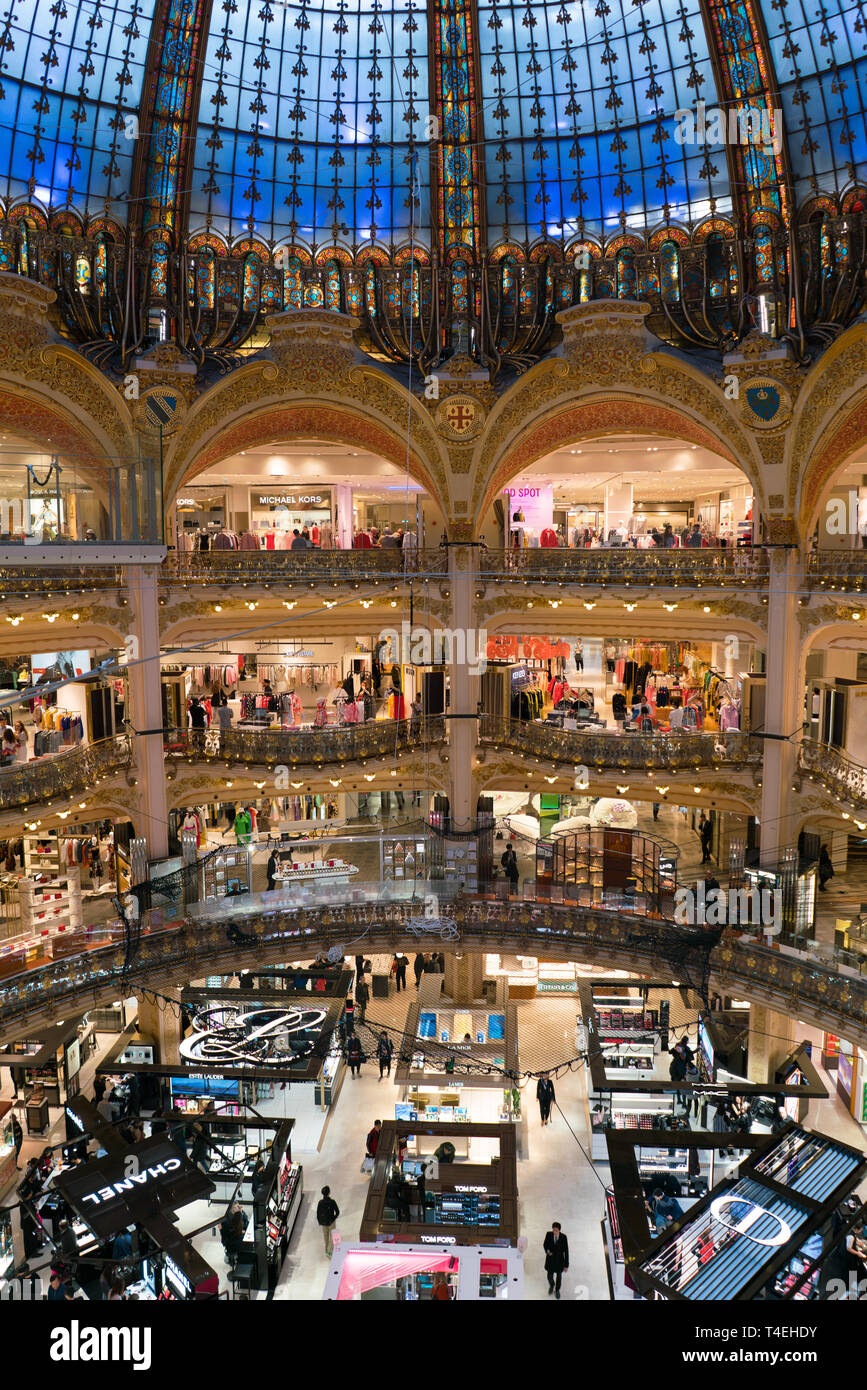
point(60, 774)
point(610, 750)
point(837, 569)
point(835, 770)
point(379, 738)
point(286, 566)
point(715, 567)
point(813, 991)
point(53, 581)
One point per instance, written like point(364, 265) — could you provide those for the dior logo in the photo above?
point(744, 1226)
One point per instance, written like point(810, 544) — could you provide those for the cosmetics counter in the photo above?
point(470, 1193)
point(384, 1273)
point(275, 1210)
point(443, 1060)
point(7, 1145)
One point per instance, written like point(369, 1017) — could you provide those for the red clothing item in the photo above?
point(373, 1142)
point(548, 539)
point(362, 541)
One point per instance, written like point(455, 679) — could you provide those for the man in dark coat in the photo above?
point(556, 1248)
point(418, 967)
point(545, 1096)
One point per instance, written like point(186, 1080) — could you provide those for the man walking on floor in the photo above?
point(556, 1248)
point(327, 1212)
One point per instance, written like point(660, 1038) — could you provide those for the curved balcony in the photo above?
point(789, 982)
point(611, 750)
point(381, 738)
point(302, 566)
point(621, 565)
point(74, 770)
point(837, 772)
point(837, 569)
point(53, 581)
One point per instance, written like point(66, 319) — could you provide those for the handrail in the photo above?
point(675, 752)
point(788, 980)
point(260, 566)
point(836, 771)
point(837, 568)
point(19, 581)
point(737, 568)
point(72, 770)
point(379, 738)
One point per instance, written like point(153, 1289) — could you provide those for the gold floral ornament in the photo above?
point(460, 417)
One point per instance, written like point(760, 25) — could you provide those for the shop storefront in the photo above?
point(277, 512)
point(443, 1061)
point(412, 1273)
point(469, 1190)
point(765, 1232)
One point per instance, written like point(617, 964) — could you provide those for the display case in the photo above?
point(404, 859)
point(624, 1111)
point(226, 874)
point(7, 1145)
point(281, 1213)
point(327, 1085)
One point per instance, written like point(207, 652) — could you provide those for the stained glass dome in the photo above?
point(428, 164)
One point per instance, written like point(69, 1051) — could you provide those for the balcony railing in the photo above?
point(52, 581)
point(839, 773)
point(837, 569)
point(61, 774)
point(380, 738)
point(788, 980)
point(623, 565)
point(274, 566)
point(613, 750)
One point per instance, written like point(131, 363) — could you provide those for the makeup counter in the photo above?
point(470, 1193)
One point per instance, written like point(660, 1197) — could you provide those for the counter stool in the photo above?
point(241, 1279)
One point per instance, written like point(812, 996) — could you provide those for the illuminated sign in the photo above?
point(291, 499)
point(744, 1226)
point(177, 1276)
point(438, 1240)
point(231, 1036)
point(461, 1188)
point(71, 1115)
point(105, 1194)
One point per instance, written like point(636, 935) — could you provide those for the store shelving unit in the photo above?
point(50, 892)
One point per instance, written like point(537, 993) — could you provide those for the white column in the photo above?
point(618, 505)
point(146, 711)
point(343, 505)
point(784, 698)
point(464, 690)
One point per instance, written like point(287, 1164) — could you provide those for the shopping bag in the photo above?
point(367, 1164)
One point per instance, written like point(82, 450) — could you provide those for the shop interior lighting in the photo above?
point(669, 607)
point(630, 606)
point(218, 608)
point(662, 790)
point(588, 606)
point(49, 617)
point(623, 790)
point(13, 621)
point(368, 776)
point(289, 605)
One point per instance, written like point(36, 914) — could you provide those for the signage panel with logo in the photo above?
point(112, 1192)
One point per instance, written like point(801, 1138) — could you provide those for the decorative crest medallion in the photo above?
point(460, 417)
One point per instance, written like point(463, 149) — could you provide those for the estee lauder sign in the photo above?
point(112, 1192)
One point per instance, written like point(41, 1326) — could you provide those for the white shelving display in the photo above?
point(51, 890)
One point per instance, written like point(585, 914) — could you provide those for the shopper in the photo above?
point(362, 997)
point(556, 1248)
point(579, 654)
point(400, 964)
point(232, 1231)
point(509, 862)
point(373, 1139)
point(272, 869)
point(705, 833)
point(384, 1050)
point(418, 968)
point(441, 1291)
point(664, 1209)
point(677, 1072)
point(17, 1137)
point(21, 752)
point(327, 1212)
point(545, 1096)
point(257, 1176)
point(422, 1191)
point(354, 1055)
point(58, 1290)
point(826, 868)
point(349, 1014)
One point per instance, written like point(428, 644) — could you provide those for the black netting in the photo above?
point(686, 950)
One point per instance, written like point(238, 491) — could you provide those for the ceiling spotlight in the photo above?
point(623, 790)
point(669, 607)
point(218, 608)
point(588, 606)
point(368, 776)
point(630, 606)
point(707, 608)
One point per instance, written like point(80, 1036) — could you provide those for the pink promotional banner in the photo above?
point(536, 503)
